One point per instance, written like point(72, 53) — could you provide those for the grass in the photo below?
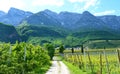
point(73, 69)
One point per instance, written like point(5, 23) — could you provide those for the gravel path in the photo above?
point(58, 67)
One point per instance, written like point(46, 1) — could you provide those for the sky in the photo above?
point(96, 7)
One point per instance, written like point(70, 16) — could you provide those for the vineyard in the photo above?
point(23, 58)
point(101, 62)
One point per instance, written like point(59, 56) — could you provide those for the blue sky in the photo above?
point(96, 7)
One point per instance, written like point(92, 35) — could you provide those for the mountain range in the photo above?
point(68, 20)
point(47, 23)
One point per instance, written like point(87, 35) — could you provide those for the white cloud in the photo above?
point(73, 1)
point(48, 2)
point(29, 5)
point(6, 4)
point(90, 3)
point(108, 12)
point(87, 3)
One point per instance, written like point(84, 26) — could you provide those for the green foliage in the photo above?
point(95, 35)
point(61, 49)
point(74, 69)
point(37, 31)
point(22, 58)
point(51, 50)
point(71, 41)
point(8, 33)
point(40, 34)
point(40, 40)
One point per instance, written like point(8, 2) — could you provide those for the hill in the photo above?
point(28, 31)
point(8, 33)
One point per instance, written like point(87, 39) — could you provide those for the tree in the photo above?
point(51, 50)
point(61, 49)
point(82, 49)
point(72, 50)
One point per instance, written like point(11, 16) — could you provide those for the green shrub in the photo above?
point(22, 58)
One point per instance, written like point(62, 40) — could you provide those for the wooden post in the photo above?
point(90, 63)
point(80, 62)
point(118, 51)
point(100, 63)
point(73, 59)
point(107, 64)
point(82, 49)
point(72, 50)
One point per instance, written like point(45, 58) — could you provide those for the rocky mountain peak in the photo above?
point(2, 13)
point(13, 11)
point(86, 13)
point(14, 16)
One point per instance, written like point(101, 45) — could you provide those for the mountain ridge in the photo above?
point(70, 20)
point(64, 18)
point(14, 16)
point(81, 26)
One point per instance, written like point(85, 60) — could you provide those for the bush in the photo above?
point(22, 58)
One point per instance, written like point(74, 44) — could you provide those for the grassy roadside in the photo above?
point(73, 69)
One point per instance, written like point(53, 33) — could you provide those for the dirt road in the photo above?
point(58, 67)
